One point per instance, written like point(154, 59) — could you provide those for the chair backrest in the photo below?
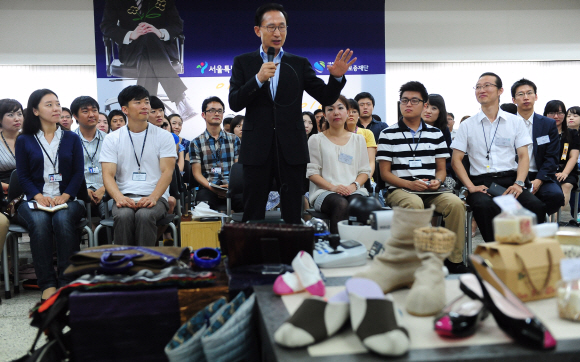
point(236, 185)
point(14, 188)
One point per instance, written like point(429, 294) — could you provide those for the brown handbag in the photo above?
point(251, 244)
point(12, 207)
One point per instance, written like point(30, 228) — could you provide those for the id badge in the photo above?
point(139, 176)
point(543, 140)
point(415, 163)
point(503, 142)
point(55, 177)
point(217, 170)
point(93, 170)
point(344, 158)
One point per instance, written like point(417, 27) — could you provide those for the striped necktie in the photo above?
point(139, 3)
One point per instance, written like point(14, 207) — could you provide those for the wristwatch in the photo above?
point(357, 185)
point(440, 182)
point(520, 183)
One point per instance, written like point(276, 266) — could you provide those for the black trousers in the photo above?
point(257, 185)
point(215, 203)
point(484, 209)
point(152, 57)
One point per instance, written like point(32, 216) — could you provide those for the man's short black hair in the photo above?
point(156, 103)
point(132, 92)
point(227, 120)
point(414, 86)
point(498, 81)
point(451, 114)
point(362, 95)
point(522, 82)
point(67, 110)
point(510, 108)
point(269, 7)
point(318, 111)
point(208, 100)
point(82, 102)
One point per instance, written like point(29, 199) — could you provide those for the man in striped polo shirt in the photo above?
point(412, 158)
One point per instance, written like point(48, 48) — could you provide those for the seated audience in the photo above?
point(66, 119)
point(573, 117)
point(339, 165)
point(450, 124)
point(177, 125)
point(413, 134)
point(116, 120)
point(103, 123)
point(138, 162)
point(318, 115)
point(85, 110)
point(157, 114)
point(226, 123)
point(435, 114)
point(11, 119)
point(351, 126)
point(50, 168)
point(309, 123)
point(237, 125)
point(212, 155)
point(567, 174)
point(366, 103)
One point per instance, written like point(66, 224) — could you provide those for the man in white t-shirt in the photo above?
point(142, 159)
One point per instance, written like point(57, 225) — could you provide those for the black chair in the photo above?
point(16, 230)
point(118, 69)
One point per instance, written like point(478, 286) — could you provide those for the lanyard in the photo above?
point(6, 143)
point(142, 149)
point(87, 151)
point(218, 151)
point(418, 141)
point(47, 155)
point(485, 138)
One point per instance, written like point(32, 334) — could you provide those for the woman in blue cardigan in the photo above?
point(50, 167)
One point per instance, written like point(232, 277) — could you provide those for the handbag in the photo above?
point(12, 207)
point(250, 244)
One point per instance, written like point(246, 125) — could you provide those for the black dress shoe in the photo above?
point(460, 317)
point(456, 268)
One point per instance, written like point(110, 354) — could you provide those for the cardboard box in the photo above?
point(530, 270)
point(200, 234)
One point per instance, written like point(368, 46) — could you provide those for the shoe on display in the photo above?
point(185, 109)
point(455, 268)
point(314, 321)
point(375, 319)
point(510, 313)
point(460, 317)
point(307, 271)
point(288, 283)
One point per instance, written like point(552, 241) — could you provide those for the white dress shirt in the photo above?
point(50, 189)
point(92, 149)
point(502, 137)
point(530, 126)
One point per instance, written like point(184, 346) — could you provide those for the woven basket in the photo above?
point(437, 240)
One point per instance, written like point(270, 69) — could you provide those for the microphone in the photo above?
point(271, 54)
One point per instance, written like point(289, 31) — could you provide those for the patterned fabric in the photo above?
point(226, 315)
point(195, 323)
point(221, 158)
point(185, 144)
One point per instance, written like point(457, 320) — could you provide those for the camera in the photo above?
point(381, 220)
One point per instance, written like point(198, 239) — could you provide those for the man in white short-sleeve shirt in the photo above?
point(491, 140)
point(142, 159)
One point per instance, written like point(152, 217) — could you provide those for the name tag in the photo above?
point(503, 142)
point(415, 163)
point(139, 176)
point(565, 152)
point(216, 170)
point(93, 170)
point(344, 158)
point(543, 140)
point(55, 177)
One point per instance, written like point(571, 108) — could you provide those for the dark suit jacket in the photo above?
point(296, 76)
point(121, 16)
point(547, 155)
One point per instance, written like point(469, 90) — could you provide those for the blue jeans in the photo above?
point(44, 227)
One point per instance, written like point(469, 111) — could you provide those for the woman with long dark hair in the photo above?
point(309, 123)
point(435, 114)
point(50, 166)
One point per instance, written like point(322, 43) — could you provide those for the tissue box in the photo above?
point(531, 270)
point(200, 234)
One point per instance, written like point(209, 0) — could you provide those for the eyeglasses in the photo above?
point(485, 86)
point(272, 28)
point(414, 101)
point(554, 114)
point(521, 94)
point(65, 116)
point(368, 104)
point(213, 110)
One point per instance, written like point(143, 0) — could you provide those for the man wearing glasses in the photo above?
point(412, 158)
point(212, 155)
point(490, 138)
point(544, 151)
point(275, 144)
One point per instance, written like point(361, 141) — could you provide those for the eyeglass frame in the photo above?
point(528, 93)
point(214, 111)
point(276, 27)
point(405, 101)
point(561, 114)
point(485, 86)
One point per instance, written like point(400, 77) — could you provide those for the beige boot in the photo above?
point(393, 268)
point(427, 296)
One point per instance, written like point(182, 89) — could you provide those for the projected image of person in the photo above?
point(145, 32)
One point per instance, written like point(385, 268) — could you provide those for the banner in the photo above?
point(213, 33)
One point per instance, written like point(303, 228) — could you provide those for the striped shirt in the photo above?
point(400, 145)
point(216, 156)
point(7, 163)
point(92, 151)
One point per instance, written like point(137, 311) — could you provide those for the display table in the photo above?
point(488, 344)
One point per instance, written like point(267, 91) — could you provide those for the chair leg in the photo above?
point(90, 235)
point(7, 292)
point(15, 262)
point(96, 234)
point(576, 205)
point(468, 249)
point(173, 231)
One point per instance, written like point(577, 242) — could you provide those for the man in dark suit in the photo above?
point(145, 31)
point(545, 147)
point(274, 144)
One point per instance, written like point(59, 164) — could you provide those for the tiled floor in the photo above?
point(16, 334)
